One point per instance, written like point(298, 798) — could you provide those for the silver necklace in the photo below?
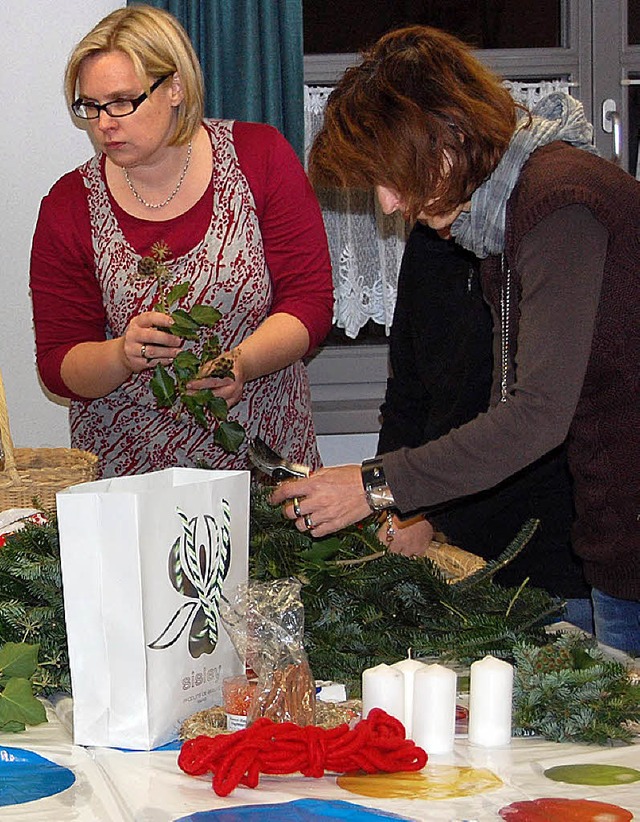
point(183, 174)
point(505, 299)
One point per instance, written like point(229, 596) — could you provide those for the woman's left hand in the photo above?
point(410, 537)
point(228, 388)
point(325, 502)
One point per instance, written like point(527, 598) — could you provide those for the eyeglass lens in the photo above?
point(114, 108)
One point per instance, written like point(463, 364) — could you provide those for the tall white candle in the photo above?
point(434, 708)
point(490, 695)
point(409, 668)
point(383, 687)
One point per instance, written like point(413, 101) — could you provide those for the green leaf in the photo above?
point(218, 407)
point(13, 727)
point(195, 405)
point(200, 398)
point(184, 326)
point(186, 365)
point(205, 315)
point(18, 704)
point(321, 550)
point(163, 386)
point(230, 436)
point(177, 293)
point(211, 348)
point(18, 659)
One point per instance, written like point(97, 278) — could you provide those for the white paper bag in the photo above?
point(145, 560)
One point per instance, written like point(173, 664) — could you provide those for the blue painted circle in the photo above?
point(299, 810)
point(25, 776)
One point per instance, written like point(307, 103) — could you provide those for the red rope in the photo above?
point(376, 744)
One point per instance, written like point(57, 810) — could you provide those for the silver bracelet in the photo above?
point(391, 531)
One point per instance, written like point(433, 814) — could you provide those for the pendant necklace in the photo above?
point(505, 299)
point(173, 193)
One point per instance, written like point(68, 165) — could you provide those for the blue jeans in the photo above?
point(579, 612)
point(617, 622)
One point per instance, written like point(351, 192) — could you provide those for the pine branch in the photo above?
point(364, 606)
point(492, 567)
point(567, 691)
point(31, 603)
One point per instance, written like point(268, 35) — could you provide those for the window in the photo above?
point(350, 25)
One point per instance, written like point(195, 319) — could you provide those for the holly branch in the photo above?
point(169, 385)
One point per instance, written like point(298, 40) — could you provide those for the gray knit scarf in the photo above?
point(556, 117)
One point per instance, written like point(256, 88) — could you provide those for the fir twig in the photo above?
point(568, 692)
point(31, 605)
point(364, 606)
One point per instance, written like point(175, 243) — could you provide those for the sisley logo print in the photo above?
point(197, 570)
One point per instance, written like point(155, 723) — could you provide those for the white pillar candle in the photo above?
point(383, 687)
point(434, 708)
point(409, 668)
point(490, 695)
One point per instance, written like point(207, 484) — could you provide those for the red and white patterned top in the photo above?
point(251, 246)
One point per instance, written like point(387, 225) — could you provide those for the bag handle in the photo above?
point(7, 460)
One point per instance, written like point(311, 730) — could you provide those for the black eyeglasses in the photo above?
point(114, 108)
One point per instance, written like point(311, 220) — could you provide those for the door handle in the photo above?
point(612, 124)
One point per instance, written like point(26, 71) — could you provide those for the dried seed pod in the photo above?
point(221, 367)
point(147, 267)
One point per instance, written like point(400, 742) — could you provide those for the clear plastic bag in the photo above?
point(265, 621)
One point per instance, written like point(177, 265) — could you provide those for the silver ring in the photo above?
point(143, 352)
point(308, 522)
point(296, 507)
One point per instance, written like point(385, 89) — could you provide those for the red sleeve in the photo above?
point(67, 303)
point(292, 228)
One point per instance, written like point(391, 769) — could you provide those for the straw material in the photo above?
point(32, 476)
point(455, 563)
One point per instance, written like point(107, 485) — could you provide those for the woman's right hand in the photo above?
point(145, 344)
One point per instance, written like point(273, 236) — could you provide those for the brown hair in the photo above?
point(419, 102)
point(156, 44)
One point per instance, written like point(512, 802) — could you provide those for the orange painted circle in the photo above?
point(564, 810)
point(433, 782)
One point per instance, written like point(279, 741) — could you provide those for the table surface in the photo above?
point(114, 785)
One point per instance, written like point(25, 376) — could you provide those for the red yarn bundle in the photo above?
point(376, 744)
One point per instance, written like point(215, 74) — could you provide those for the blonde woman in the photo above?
point(232, 204)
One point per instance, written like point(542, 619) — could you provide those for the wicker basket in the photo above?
point(32, 476)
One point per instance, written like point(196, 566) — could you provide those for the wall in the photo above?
point(39, 144)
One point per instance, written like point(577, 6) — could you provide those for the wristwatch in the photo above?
point(379, 495)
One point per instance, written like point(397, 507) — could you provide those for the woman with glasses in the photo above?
point(440, 138)
point(228, 207)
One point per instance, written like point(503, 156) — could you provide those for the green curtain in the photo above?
point(251, 56)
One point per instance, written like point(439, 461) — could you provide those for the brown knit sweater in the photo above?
point(573, 248)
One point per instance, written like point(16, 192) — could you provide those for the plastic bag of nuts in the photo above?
point(266, 624)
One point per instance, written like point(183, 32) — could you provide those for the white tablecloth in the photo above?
point(112, 785)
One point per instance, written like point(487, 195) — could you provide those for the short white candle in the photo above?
point(434, 708)
point(490, 696)
point(409, 668)
point(383, 687)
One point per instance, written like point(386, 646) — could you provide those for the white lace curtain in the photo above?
point(366, 246)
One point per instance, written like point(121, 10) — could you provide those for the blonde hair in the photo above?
point(157, 45)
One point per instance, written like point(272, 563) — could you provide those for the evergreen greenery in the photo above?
point(567, 691)
point(364, 606)
point(31, 607)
